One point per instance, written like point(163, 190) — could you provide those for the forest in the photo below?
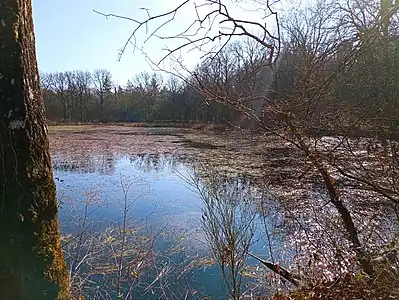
point(298, 199)
point(327, 78)
point(367, 88)
point(79, 96)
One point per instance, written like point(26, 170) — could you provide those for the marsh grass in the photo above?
point(128, 259)
point(306, 230)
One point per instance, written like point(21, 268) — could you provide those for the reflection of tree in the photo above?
point(228, 223)
point(108, 259)
point(103, 163)
point(234, 221)
point(308, 237)
point(154, 162)
point(107, 164)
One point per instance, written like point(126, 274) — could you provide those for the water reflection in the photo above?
point(153, 162)
point(172, 204)
point(163, 204)
point(299, 231)
point(99, 195)
point(85, 163)
point(105, 163)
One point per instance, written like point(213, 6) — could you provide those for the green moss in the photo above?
point(50, 245)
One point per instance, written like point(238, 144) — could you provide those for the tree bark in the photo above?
point(31, 261)
point(362, 256)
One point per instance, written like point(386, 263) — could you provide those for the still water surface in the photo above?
point(159, 197)
point(157, 189)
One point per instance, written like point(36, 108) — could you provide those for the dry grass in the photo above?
point(384, 287)
point(265, 159)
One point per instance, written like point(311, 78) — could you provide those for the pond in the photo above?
point(143, 213)
point(104, 190)
point(156, 192)
point(158, 197)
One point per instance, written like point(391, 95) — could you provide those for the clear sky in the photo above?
point(70, 36)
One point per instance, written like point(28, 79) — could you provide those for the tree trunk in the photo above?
point(101, 107)
point(31, 261)
point(81, 107)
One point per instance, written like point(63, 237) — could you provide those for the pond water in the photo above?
point(156, 189)
point(161, 199)
point(148, 183)
point(132, 207)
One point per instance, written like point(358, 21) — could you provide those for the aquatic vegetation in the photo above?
point(296, 228)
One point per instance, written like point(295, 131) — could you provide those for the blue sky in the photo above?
point(70, 36)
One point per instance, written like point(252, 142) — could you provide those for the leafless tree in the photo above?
point(213, 23)
point(308, 58)
point(83, 83)
point(59, 84)
point(102, 82)
point(31, 261)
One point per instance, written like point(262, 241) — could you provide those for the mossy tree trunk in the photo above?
point(31, 261)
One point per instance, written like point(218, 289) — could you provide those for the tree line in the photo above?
point(242, 77)
point(82, 96)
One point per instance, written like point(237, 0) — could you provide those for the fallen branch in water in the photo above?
point(287, 275)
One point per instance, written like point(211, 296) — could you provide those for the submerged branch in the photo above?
point(287, 275)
